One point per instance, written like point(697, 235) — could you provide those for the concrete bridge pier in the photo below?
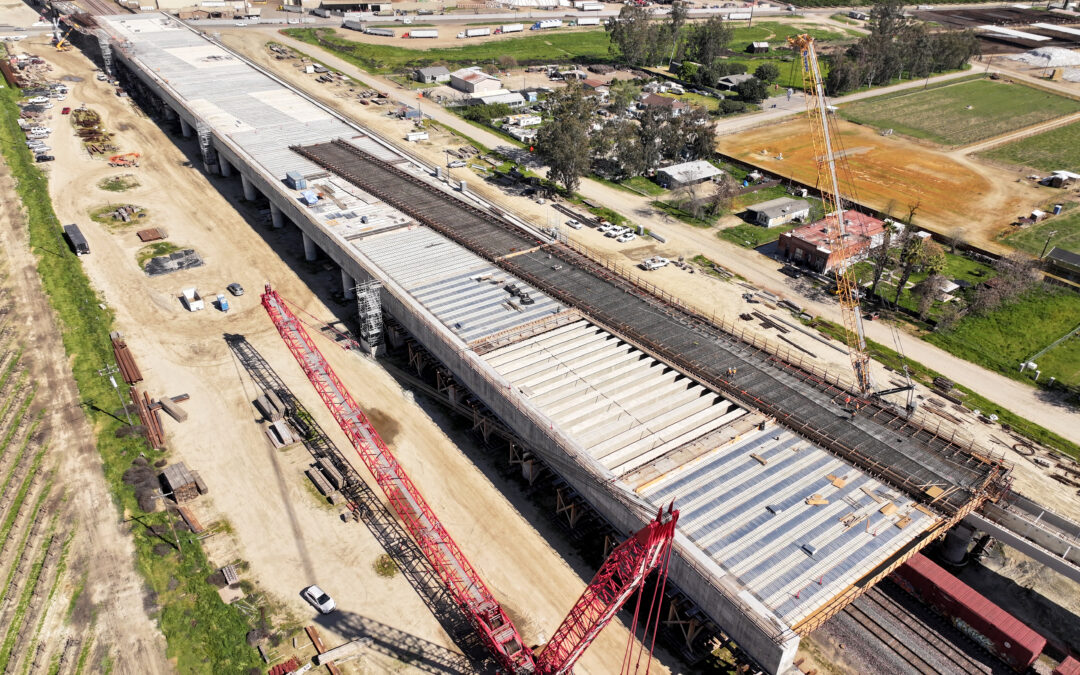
point(250, 193)
point(348, 285)
point(311, 251)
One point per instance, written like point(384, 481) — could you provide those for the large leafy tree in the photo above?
point(563, 143)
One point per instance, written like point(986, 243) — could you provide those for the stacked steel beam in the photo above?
point(129, 370)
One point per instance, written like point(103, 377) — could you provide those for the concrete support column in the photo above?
point(277, 218)
point(170, 114)
point(250, 193)
point(310, 250)
point(224, 166)
point(348, 285)
point(185, 128)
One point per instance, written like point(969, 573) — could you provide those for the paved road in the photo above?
point(762, 271)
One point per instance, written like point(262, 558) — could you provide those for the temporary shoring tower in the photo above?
point(825, 149)
point(621, 575)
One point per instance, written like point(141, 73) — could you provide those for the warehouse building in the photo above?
point(473, 81)
point(776, 212)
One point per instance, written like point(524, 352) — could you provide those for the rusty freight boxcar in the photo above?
point(984, 622)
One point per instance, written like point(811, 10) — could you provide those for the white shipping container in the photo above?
point(547, 23)
point(416, 136)
point(477, 32)
point(353, 25)
point(423, 33)
point(591, 7)
point(513, 28)
point(589, 21)
point(739, 16)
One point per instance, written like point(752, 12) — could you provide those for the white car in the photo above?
point(629, 236)
point(241, 24)
point(319, 599)
point(37, 100)
point(576, 224)
point(654, 263)
point(456, 164)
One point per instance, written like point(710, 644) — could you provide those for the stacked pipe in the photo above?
point(150, 419)
point(129, 370)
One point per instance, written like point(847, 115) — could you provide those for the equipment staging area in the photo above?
point(791, 505)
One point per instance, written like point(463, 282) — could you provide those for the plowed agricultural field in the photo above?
point(892, 174)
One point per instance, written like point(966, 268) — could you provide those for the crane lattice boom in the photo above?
point(459, 577)
point(847, 285)
point(622, 574)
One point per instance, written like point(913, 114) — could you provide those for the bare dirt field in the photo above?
point(289, 536)
point(893, 174)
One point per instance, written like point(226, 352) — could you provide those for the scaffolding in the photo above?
point(369, 306)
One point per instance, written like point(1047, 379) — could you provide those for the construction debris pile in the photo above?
point(1048, 57)
point(89, 128)
point(174, 262)
point(126, 213)
point(27, 72)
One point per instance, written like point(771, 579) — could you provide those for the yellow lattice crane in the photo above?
point(826, 151)
point(62, 45)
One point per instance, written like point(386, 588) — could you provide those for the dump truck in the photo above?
point(192, 300)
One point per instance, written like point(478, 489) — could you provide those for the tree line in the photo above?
point(897, 46)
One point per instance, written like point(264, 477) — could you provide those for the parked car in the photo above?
point(236, 289)
point(456, 164)
point(65, 111)
point(44, 158)
point(654, 263)
point(319, 599)
point(628, 236)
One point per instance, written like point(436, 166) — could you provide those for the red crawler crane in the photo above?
point(621, 575)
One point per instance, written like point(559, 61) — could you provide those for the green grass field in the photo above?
point(1057, 149)
point(960, 114)
point(589, 46)
point(575, 47)
point(1033, 239)
point(1002, 339)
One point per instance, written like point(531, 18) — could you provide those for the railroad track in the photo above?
point(921, 646)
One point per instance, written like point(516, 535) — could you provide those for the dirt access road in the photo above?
point(682, 239)
point(290, 536)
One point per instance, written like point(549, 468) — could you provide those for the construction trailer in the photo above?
point(76, 239)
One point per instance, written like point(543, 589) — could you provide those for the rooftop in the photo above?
point(780, 206)
point(664, 101)
point(858, 227)
point(473, 74)
point(434, 70)
point(691, 171)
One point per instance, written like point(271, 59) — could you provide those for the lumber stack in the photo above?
point(129, 370)
point(180, 481)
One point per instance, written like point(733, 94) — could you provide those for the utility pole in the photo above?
point(109, 371)
point(1047, 244)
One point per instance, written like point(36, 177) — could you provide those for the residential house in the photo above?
point(676, 106)
point(431, 75)
point(730, 82)
point(780, 211)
